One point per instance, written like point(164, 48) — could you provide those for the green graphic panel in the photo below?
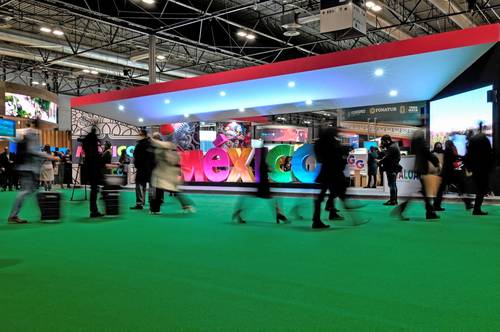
point(274, 160)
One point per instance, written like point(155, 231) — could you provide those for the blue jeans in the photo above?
point(391, 182)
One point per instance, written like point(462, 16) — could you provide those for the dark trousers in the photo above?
point(336, 188)
point(7, 179)
point(94, 189)
point(372, 176)
point(458, 180)
point(391, 182)
point(157, 197)
point(140, 192)
point(482, 188)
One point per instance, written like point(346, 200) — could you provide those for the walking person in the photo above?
point(372, 167)
point(93, 168)
point(28, 161)
point(423, 156)
point(390, 164)
point(166, 175)
point(451, 174)
point(47, 170)
point(331, 177)
point(480, 160)
point(263, 191)
point(144, 163)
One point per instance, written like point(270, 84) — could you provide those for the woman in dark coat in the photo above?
point(263, 191)
point(93, 169)
point(372, 167)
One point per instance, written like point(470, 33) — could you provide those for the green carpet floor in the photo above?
point(177, 272)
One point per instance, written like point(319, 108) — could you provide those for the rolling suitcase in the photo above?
point(111, 202)
point(50, 206)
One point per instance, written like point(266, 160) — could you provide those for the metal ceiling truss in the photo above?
point(192, 37)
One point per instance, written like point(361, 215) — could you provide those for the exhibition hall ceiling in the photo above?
point(82, 47)
point(402, 71)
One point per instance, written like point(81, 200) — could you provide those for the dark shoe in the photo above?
point(237, 216)
point(469, 205)
point(431, 216)
point(96, 215)
point(281, 217)
point(335, 216)
point(398, 214)
point(439, 208)
point(391, 203)
point(137, 207)
point(319, 225)
point(17, 220)
point(480, 213)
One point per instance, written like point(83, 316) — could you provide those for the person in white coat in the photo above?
point(167, 175)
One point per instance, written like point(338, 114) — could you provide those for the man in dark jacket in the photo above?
point(390, 165)
point(93, 168)
point(423, 156)
point(479, 160)
point(6, 169)
point(144, 164)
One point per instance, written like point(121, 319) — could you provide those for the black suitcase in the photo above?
point(111, 202)
point(50, 205)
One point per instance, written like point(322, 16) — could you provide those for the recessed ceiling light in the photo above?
point(250, 36)
point(393, 93)
point(222, 93)
point(58, 32)
point(241, 109)
point(167, 101)
point(369, 4)
point(45, 29)
point(35, 83)
point(241, 33)
point(379, 72)
point(376, 8)
point(121, 107)
point(161, 57)
point(149, 2)
point(291, 84)
point(86, 71)
point(94, 72)
point(140, 120)
point(44, 84)
point(309, 102)
point(186, 115)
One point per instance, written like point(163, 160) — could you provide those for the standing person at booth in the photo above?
point(124, 163)
point(423, 157)
point(28, 161)
point(7, 170)
point(47, 170)
point(372, 167)
point(479, 160)
point(144, 163)
point(166, 175)
point(391, 167)
point(93, 168)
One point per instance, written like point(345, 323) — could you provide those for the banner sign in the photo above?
point(403, 113)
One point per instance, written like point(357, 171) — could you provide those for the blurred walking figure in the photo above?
point(263, 191)
point(451, 174)
point(372, 167)
point(144, 163)
point(93, 169)
point(479, 160)
point(166, 175)
point(390, 165)
point(28, 161)
point(423, 156)
point(47, 170)
point(331, 177)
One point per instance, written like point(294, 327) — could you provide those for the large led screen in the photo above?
point(283, 134)
point(30, 107)
point(7, 128)
point(453, 117)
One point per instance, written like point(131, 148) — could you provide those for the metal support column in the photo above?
point(152, 59)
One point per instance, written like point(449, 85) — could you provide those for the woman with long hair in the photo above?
point(47, 170)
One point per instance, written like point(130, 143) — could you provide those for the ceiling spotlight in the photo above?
point(222, 93)
point(309, 102)
point(45, 29)
point(121, 107)
point(86, 71)
point(376, 8)
point(44, 84)
point(35, 83)
point(94, 72)
point(149, 2)
point(160, 57)
point(393, 93)
point(167, 101)
point(186, 115)
point(379, 72)
point(140, 120)
point(369, 4)
point(241, 109)
point(292, 32)
point(241, 33)
point(291, 84)
point(250, 36)
point(58, 32)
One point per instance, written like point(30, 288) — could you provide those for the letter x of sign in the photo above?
point(241, 159)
